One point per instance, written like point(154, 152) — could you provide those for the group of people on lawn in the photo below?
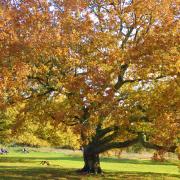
point(5, 151)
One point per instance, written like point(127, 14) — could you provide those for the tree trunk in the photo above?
point(91, 162)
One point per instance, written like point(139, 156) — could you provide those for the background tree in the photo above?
point(100, 67)
point(5, 124)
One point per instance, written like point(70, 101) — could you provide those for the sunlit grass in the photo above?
point(19, 166)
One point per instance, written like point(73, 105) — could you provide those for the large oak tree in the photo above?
point(109, 69)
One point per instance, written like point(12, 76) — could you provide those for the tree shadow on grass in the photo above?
point(141, 175)
point(136, 161)
point(39, 173)
point(36, 173)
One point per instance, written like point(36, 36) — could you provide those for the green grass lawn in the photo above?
point(19, 166)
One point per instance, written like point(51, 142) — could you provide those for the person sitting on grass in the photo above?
point(3, 151)
point(24, 150)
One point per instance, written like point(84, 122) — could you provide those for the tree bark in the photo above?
point(91, 162)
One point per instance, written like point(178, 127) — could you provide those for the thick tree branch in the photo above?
point(139, 139)
point(112, 145)
point(149, 145)
point(103, 132)
point(157, 147)
point(107, 139)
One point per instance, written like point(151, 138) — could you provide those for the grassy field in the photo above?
point(63, 165)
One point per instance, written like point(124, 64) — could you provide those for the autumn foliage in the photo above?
point(107, 69)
